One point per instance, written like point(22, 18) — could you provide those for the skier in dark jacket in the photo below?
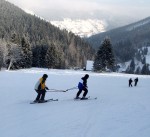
point(136, 81)
point(82, 85)
point(40, 88)
point(130, 82)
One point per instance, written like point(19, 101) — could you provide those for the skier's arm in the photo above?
point(85, 83)
point(46, 88)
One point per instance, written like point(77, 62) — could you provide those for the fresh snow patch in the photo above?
point(119, 111)
point(80, 27)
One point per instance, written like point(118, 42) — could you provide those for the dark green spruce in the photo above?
point(104, 59)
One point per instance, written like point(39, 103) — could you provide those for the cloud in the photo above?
point(59, 4)
point(130, 7)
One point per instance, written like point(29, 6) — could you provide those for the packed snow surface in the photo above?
point(119, 111)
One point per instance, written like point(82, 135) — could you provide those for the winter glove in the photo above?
point(46, 88)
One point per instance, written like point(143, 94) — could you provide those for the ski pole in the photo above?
point(55, 90)
point(71, 88)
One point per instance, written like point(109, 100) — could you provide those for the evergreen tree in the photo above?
point(15, 38)
point(104, 57)
point(36, 54)
point(42, 56)
point(53, 59)
point(132, 66)
point(138, 70)
point(138, 55)
point(145, 70)
point(98, 62)
point(144, 60)
point(26, 53)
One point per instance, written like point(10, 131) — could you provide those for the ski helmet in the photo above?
point(45, 76)
point(86, 76)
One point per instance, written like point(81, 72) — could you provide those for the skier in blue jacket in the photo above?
point(82, 85)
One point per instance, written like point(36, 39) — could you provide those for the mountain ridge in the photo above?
point(118, 32)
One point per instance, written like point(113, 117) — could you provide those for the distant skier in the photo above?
point(40, 88)
point(130, 82)
point(82, 85)
point(136, 81)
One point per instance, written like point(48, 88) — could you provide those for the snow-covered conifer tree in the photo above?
point(26, 53)
point(104, 57)
point(51, 57)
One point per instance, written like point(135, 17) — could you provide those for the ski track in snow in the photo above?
point(119, 111)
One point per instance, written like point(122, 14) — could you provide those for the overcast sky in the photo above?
point(131, 7)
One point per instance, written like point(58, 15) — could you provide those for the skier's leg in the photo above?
point(85, 92)
point(79, 92)
point(38, 96)
point(43, 94)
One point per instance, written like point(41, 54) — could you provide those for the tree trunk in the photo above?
point(10, 64)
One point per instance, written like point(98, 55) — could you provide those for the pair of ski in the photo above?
point(86, 98)
point(48, 100)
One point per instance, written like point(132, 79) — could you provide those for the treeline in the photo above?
point(47, 45)
point(143, 67)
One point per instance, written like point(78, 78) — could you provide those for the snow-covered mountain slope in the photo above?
point(138, 24)
point(119, 111)
point(138, 64)
point(81, 27)
point(85, 24)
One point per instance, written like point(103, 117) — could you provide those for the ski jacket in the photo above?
point(40, 85)
point(83, 83)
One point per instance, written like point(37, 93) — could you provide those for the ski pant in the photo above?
point(135, 84)
point(80, 90)
point(41, 94)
